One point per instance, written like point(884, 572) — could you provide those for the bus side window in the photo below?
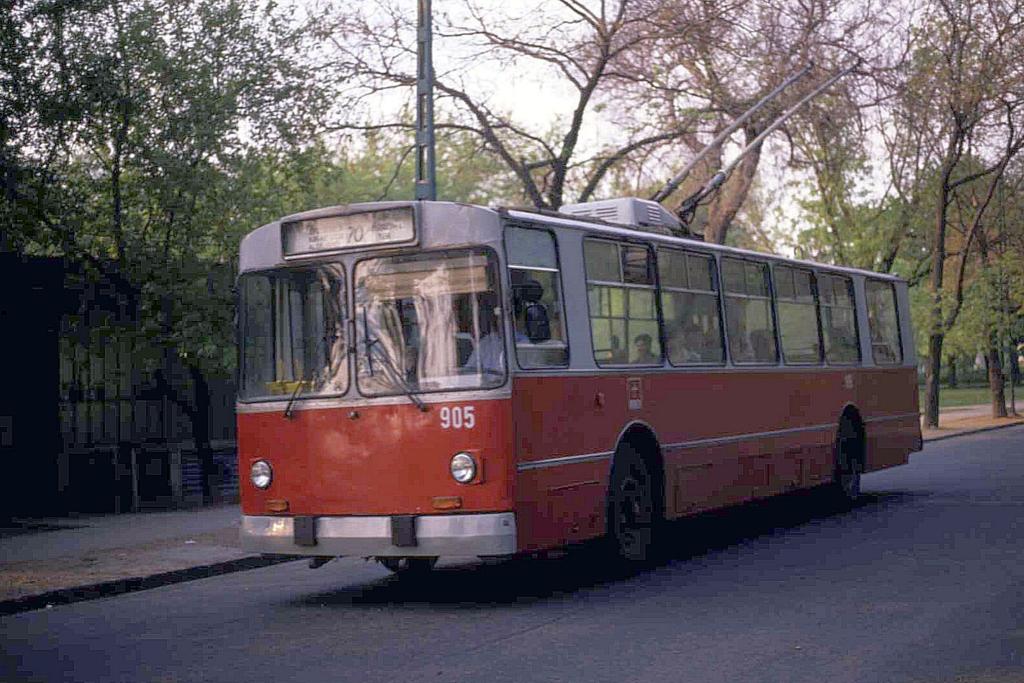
point(621, 298)
point(797, 315)
point(838, 319)
point(689, 305)
point(748, 312)
point(537, 318)
point(883, 323)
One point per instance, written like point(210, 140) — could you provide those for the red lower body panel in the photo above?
point(725, 437)
point(376, 460)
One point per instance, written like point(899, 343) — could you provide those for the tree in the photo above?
point(965, 82)
point(137, 116)
point(1002, 313)
point(576, 51)
point(722, 58)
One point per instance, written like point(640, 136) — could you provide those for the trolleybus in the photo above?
point(421, 379)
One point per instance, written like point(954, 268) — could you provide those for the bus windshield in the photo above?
point(293, 333)
point(429, 322)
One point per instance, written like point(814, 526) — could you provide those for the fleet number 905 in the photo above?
point(458, 417)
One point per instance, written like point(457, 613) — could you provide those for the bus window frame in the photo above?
point(561, 295)
point(717, 282)
point(817, 315)
point(302, 395)
point(655, 287)
point(354, 360)
point(767, 263)
point(856, 321)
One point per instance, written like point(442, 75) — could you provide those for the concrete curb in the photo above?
point(67, 596)
point(976, 430)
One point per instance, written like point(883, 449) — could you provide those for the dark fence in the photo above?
point(88, 423)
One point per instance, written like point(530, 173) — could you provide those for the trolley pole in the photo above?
point(426, 180)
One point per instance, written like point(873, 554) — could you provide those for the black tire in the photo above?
point(408, 566)
point(634, 518)
point(849, 462)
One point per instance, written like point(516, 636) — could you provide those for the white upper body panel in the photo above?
point(441, 225)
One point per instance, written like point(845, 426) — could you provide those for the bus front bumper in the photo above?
point(381, 536)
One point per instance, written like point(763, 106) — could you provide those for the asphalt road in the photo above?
point(921, 582)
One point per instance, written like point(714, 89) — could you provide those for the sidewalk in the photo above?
point(966, 420)
point(60, 560)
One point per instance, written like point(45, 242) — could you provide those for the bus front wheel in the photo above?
point(632, 514)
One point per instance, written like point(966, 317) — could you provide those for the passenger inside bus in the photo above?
point(489, 354)
point(688, 345)
point(642, 354)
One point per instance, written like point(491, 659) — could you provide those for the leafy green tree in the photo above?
point(135, 122)
point(967, 65)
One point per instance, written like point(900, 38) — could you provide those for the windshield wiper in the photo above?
point(308, 377)
point(389, 365)
point(396, 375)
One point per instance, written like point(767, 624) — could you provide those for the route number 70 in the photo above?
point(458, 417)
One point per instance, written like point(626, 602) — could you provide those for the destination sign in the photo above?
point(333, 233)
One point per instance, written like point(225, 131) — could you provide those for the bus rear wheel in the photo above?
point(408, 566)
point(849, 462)
point(632, 514)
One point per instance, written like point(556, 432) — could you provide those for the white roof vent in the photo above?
point(642, 214)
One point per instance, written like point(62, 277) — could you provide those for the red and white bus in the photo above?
point(420, 379)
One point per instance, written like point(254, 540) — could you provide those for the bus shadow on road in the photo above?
point(719, 529)
point(544, 576)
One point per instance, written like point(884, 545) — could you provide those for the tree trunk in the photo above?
point(995, 380)
point(1014, 380)
point(732, 194)
point(951, 380)
point(1014, 366)
point(931, 380)
point(117, 218)
point(938, 324)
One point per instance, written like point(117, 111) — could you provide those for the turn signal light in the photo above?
point(447, 502)
point(277, 506)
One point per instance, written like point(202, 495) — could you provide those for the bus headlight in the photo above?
point(260, 474)
point(463, 468)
